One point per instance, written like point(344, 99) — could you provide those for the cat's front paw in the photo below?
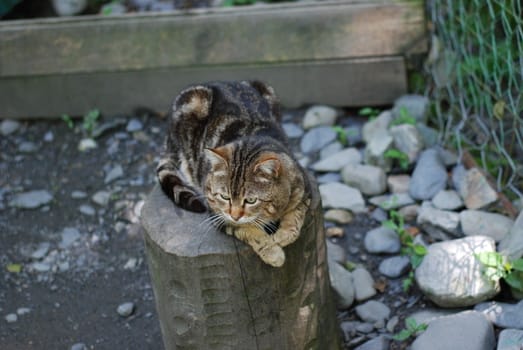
point(272, 255)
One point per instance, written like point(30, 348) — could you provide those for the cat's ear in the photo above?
point(268, 165)
point(195, 101)
point(267, 92)
point(217, 156)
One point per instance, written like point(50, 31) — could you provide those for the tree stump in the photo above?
point(213, 292)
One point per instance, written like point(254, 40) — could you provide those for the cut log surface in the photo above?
point(213, 292)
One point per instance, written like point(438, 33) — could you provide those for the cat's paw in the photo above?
point(272, 255)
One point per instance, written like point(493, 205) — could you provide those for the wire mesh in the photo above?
point(476, 65)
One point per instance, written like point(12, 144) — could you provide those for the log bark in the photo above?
point(213, 292)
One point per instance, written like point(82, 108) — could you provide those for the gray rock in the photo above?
point(458, 176)
point(23, 311)
point(338, 216)
point(342, 285)
point(392, 323)
point(369, 179)
point(415, 105)
point(429, 135)
point(376, 148)
point(331, 149)
point(503, 315)
point(114, 173)
point(448, 158)
point(409, 212)
point(379, 343)
point(101, 198)
point(429, 176)
point(69, 7)
point(377, 126)
point(432, 219)
point(11, 318)
point(87, 144)
point(476, 191)
point(373, 312)
point(476, 222)
point(354, 135)
point(382, 240)
point(116, 8)
point(27, 147)
point(31, 199)
point(49, 136)
point(78, 195)
point(408, 140)
point(329, 177)
point(40, 267)
point(398, 183)
point(336, 253)
point(392, 201)
point(395, 266)
point(428, 315)
point(41, 251)
point(337, 161)
point(510, 339)
point(134, 125)
point(319, 116)
point(69, 236)
point(317, 138)
point(79, 346)
point(363, 284)
point(340, 196)
point(451, 276)
point(512, 244)
point(87, 210)
point(8, 126)
point(379, 214)
point(125, 309)
point(447, 200)
point(467, 330)
point(292, 130)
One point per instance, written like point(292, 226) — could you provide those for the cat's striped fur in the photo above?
point(226, 151)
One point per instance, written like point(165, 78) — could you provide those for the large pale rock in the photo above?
point(319, 116)
point(476, 191)
point(429, 176)
point(337, 161)
point(435, 220)
point(468, 330)
point(369, 179)
point(340, 196)
point(477, 222)
point(377, 126)
point(408, 140)
point(512, 244)
point(451, 276)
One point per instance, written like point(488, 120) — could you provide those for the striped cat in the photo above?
point(226, 152)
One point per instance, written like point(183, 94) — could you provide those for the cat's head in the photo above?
point(245, 187)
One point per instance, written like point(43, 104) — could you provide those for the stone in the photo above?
point(31, 200)
point(415, 105)
point(373, 311)
point(363, 284)
point(78, 195)
point(21, 311)
point(379, 214)
point(477, 222)
point(79, 346)
point(428, 315)
point(114, 173)
point(512, 244)
point(408, 140)
point(342, 285)
point(340, 196)
point(8, 126)
point(392, 323)
point(338, 216)
point(432, 220)
point(398, 183)
point(113, 8)
point(451, 276)
point(337, 161)
point(409, 212)
point(330, 149)
point(134, 125)
point(292, 130)
point(11, 318)
point(369, 179)
point(429, 176)
point(125, 309)
point(354, 135)
point(69, 7)
point(317, 138)
point(49, 136)
point(319, 116)
point(334, 231)
point(379, 343)
point(377, 126)
point(375, 151)
point(447, 200)
point(395, 266)
point(87, 210)
point(503, 315)
point(429, 135)
point(87, 144)
point(392, 201)
point(448, 158)
point(329, 177)
point(27, 147)
point(336, 252)
point(476, 191)
point(467, 330)
point(382, 240)
point(41, 251)
point(69, 236)
point(458, 177)
point(101, 198)
point(41, 267)
point(510, 339)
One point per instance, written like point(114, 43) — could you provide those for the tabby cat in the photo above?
point(226, 152)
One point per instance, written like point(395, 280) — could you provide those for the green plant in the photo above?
point(497, 266)
point(404, 118)
point(68, 120)
point(90, 120)
point(402, 158)
point(369, 112)
point(342, 135)
point(414, 251)
point(411, 329)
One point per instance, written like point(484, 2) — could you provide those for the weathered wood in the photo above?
point(213, 292)
point(354, 82)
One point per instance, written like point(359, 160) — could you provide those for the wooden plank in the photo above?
point(264, 34)
point(353, 82)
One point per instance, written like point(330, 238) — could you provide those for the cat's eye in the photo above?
point(251, 200)
point(225, 197)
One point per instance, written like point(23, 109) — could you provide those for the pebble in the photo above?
point(69, 8)
point(429, 176)
point(342, 285)
point(476, 191)
point(23, 311)
point(125, 309)
point(329, 177)
point(467, 330)
point(11, 318)
point(392, 201)
point(512, 244)
point(369, 179)
point(338, 216)
point(87, 144)
point(429, 135)
point(408, 140)
point(337, 161)
point(373, 312)
point(395, 266)
point(319, 116)
point(376, 127)
point(131, 264)
point(330, 149)
point(363, 284)
point(31, 199)
point(340, 196)
point(451, 276)
point(27, 147)
point(477, 222)
point(292, 130)
point(510, 339)
point(379, 343)
point(336, 253)
point(409, 212)
point(87, 210)
point(458, 177)
point(398, 183)
point(101, 198)
point(79, 346)
point(114, 173)
point(8, 126)
point(379, 214)
point(375, 150)
point(392, 323)
point(382, 240)
point(134, 125)
point(41, 251)
point(432, 220)
point(503, 315)
point(78, 195)
point(430, 314)
point(69, 236)
point(41, 266)
point(49, 136)
point(334, 232)
point(415, 105)
point(447, 200)
point(317, 138)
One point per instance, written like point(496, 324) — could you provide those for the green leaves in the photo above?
point(401, 157)
point(411, 329)
point(369, 112)
point(497, 266)
point(404, 118)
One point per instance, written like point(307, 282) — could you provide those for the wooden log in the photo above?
point(213, 292)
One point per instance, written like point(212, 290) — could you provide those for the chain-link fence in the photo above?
point(476, 64)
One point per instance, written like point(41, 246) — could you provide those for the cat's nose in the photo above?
point(236, 213)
